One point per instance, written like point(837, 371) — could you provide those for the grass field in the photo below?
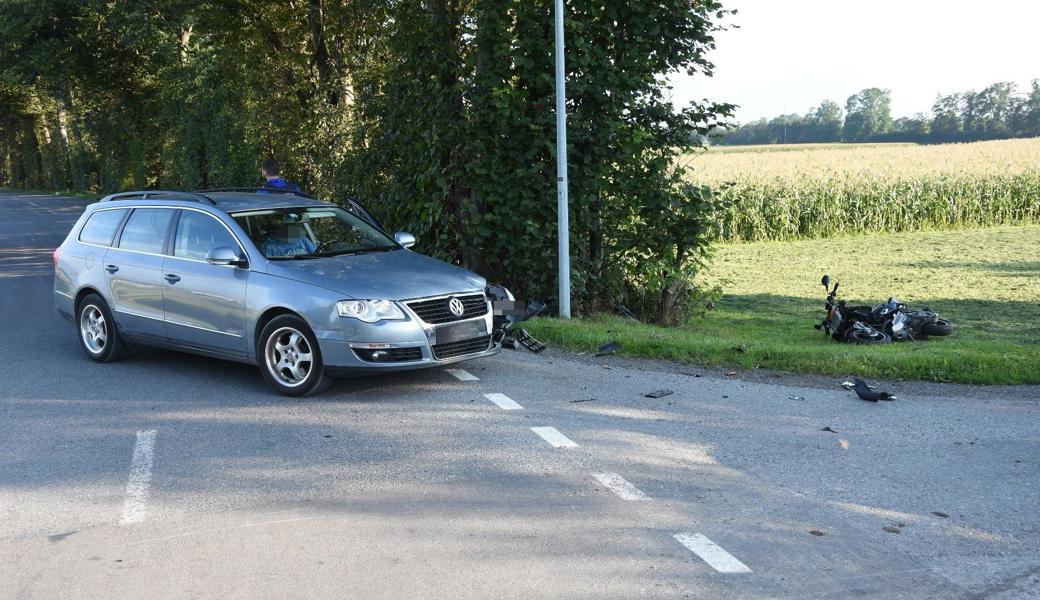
point(822, 190)
point(986, 281)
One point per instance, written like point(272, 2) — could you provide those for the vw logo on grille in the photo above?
point(456, 307)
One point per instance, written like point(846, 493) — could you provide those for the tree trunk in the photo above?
point(670, 295)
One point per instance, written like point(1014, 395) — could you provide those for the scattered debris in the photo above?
point(57, 537)
point(659, 394)
point(828, 429)
point(527, 341)
point(622, 310)
point(940, 514)
point(844, 444)
point(796, 397)
point(815, 532)
point(731, 373)
point(865, 392)
point(584, 400)
point(608, 348)
point(326, 436)
point(724, 396)
point(891, 529)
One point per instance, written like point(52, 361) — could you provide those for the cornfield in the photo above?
point(791, 192)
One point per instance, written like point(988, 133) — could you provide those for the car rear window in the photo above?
point(101, 227)
point(145, 230)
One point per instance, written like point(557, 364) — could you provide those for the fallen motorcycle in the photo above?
point(890, 320)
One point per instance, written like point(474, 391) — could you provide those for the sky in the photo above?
point(789, 55)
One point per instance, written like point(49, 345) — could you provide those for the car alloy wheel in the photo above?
point(93, 328)
point(289, 357)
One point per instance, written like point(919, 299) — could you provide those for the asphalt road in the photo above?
point(172, 476)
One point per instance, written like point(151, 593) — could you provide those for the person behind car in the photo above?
point(288, 239)
point(271, 169)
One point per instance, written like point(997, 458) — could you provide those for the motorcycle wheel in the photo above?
point(940, 328)
point(857, 336)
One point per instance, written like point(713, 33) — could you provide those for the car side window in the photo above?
point(145, 230)
point(198, 233)
point(101, 227)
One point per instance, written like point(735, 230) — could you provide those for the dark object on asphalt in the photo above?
point(867, 393)
point(892, 529)
point(622, 310)
point(815, 532)
point(940, 514)
point(659, 394)
point(583, 400)
point(890, 320)
point(527, 341)
point(828, 429)
point(608, 348)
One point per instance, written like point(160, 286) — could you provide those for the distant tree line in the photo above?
point(997, 112)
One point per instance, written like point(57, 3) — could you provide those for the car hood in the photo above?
point(395, 275)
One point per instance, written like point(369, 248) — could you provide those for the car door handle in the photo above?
point(111, 268)
point(172, 278)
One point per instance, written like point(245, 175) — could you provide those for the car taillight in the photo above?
point(56, 255)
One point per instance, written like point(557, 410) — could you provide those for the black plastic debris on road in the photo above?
point(866, 392)
point(659, 394)
point(828, 429)
point(608, 348)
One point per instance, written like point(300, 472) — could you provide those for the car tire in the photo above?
point(290, 359)
point(98, 334)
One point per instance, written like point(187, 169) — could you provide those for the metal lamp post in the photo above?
point(563, 218)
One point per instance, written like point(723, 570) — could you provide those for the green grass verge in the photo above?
point(986, 281)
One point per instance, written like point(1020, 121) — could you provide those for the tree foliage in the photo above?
point(997, 112)
point(438, 114)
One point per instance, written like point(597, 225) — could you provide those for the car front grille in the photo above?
point(389, 354)
point(472, 346)
point(436, 311)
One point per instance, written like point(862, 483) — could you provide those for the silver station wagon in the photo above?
point(306, 290)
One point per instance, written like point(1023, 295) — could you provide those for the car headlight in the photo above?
point(369, 311)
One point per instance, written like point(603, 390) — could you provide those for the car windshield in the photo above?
point(311, 232)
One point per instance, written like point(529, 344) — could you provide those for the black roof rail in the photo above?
point(257, 190)
point(147, 194)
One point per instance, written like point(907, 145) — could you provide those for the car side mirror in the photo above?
point(404, 238)
point(222, 255)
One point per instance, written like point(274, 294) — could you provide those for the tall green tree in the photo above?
point(824, 123)
point(868, 113)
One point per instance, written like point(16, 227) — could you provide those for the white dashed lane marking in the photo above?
point(711, 553)
point(134, 509)
point(618, 485)
point(555, 438)
point(463, 375)
point(504, 402)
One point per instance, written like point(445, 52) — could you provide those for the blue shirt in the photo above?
point(273, 246)
point(279, 183)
